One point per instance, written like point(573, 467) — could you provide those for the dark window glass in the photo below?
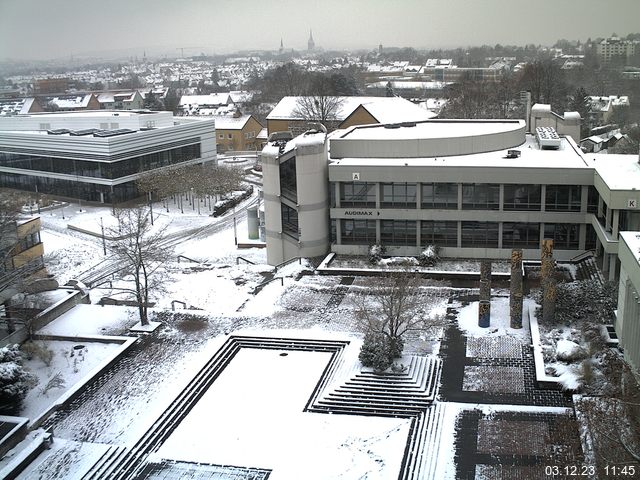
point(563, 198)
point(520, 235)
point(441, 234)
point(398, 232)
point(332, 195)
point(289, 221)
point(440, 195)
point(592, 200)
point(358, 232)
point(522, 197)
point(288, 180)
point(358, 194)
point(398, 195)
point(480, 234)
point(592, 237)
point(480, 196)
point(565, 235)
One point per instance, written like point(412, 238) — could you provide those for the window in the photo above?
point(563, 198)
point(229, 136)
point(288, 179)
point(358, 232)
point(398, 195)
point(565, 235)
point(289, 221)
point(592, 200)
point(441, 234)
point(358, 194)
point(221, 136)
point(522, 197)
point(480, 234)
point(29, 241)
point(440, 195)
point(480, 196)
point(114, 125)
point(332, 195)
point(398, 232)
point(520, 235)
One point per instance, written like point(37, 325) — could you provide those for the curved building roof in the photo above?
point(432, 138)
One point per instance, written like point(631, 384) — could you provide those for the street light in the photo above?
point(104, 244)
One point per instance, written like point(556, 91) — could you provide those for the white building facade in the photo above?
point(97, 155)
point(476, 189)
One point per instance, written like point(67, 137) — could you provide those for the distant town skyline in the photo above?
point(55, 29)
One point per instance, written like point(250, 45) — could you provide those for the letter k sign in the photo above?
point(632, 203)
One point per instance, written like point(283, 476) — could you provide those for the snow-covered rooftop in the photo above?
point(433, 129)
point(228, 122)
point(531, 156)
point(619, 172)
point(384, 109)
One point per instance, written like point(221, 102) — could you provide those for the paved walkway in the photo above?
point(514, 441)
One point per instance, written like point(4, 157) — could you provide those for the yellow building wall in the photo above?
point(277, 126)
point(360, 116)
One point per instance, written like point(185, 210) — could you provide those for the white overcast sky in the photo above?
point(44, 29)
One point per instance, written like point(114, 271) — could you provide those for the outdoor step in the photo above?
point(404, 399)
point(392, 410)
point(103, 467)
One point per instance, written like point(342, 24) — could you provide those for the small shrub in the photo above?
point(587, 371)
point(56, 381)
point(38, 350)
point(429, 256)
point(15, 380)
point(375, 352)
point(376, 252)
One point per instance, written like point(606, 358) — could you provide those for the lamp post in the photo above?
point(151, 208)
point(104, 244)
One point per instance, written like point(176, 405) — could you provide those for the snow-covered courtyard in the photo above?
point(256, 416)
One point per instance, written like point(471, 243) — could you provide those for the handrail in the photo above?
point(243, 259)
point(582, 256)
point(173, 306)
point(187, 258)
point(286, 262)
point(259, 287)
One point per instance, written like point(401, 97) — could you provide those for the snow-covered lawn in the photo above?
point(84, 320)
point(253, 416)
point(72, 361)
point(500, 320)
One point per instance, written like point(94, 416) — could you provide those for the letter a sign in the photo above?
point(356, 176)
point(632, 203)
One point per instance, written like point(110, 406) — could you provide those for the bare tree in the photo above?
point(142, 251)
point(319, 108)
point(392, 307)
point(612, 417)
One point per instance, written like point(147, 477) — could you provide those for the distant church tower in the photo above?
point(281, 46)
point(311, 45)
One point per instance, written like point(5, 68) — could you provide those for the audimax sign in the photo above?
point(360, 213)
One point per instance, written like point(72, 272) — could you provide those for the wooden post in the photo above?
point(515, 297)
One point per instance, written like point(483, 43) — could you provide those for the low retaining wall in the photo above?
point(76, 390)
point(47, 316)
point(542, 379)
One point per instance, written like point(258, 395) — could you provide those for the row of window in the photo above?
point(112, 170)
point(475, 196)
point(69, 188)
point(445, 234)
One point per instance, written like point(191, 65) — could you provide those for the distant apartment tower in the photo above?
point(614, 47)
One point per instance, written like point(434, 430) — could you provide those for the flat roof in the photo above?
point(92, 113)
point(431, 129)
point(619, 172)
point(531, 156)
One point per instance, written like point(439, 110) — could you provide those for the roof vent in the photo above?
point(547, 137)
point(513, 153)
